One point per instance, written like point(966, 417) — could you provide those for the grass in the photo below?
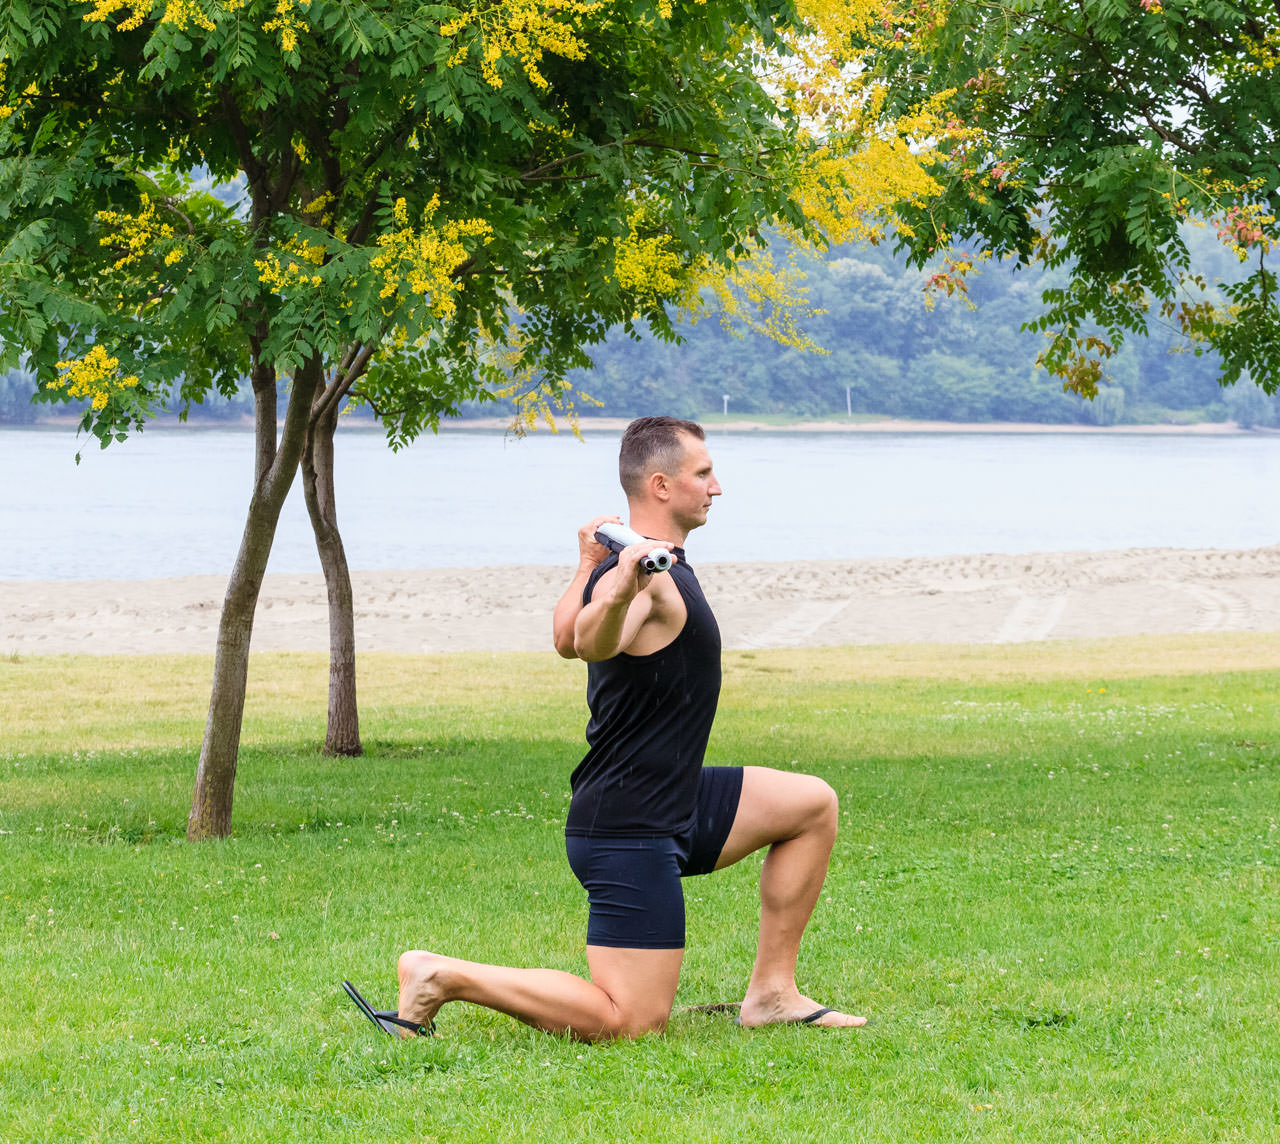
point(1055, 890)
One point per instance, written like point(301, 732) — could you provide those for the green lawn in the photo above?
point(1055, 891)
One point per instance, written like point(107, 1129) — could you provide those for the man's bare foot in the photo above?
point(794, 1010)
point(423, 987)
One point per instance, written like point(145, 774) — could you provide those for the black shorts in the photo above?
point(633, 884)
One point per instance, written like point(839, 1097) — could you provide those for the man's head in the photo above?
point(666, 473)
point(653, 444)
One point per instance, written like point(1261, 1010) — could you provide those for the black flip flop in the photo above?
point(812, 1019)
point(388, 1021)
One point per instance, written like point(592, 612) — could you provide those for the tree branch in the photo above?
point(254, 170)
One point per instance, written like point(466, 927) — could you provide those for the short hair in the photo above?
point(652, 445)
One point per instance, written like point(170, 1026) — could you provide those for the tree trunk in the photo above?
point(343, 734)
point(274, 468)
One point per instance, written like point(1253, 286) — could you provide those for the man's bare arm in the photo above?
point(590, 553)
point(624, 602)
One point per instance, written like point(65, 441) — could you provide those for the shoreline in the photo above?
point(717, 423)
point(979, 599)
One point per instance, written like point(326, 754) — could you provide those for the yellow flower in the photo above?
point(134, 236)
point(648, 264)
point(182, 13)
point(422, 260)
point(103, 10)
point(288, 23)
point(522, 30)
point(95, 376)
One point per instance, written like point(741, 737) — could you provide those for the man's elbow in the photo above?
point(587, 651)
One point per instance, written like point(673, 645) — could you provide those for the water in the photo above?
point(172, 502)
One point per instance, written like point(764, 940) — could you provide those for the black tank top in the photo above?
point(651, 716)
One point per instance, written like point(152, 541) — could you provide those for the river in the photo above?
point(171, 502)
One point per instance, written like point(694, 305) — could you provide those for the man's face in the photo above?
point(693, 485)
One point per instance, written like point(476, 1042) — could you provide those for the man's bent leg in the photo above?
point(631, 991)
point(796, 816)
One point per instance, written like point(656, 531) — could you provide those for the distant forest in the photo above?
point(886, 354)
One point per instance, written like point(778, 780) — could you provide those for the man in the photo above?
point(645, 812)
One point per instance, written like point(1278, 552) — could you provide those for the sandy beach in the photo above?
point(955, 599)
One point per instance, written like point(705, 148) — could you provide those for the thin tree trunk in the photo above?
point(343, 734)
point(274, 470)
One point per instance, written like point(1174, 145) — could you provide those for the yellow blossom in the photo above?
point(1264, 53)
point(422, 260)
point(288, 22)
point(103, 10)
point(95, 376)
point(649, 265)
point(522, 30)
point(293, 264)
point(760, 296)
point(134, 236)
point(286, 18)
point(183, 13)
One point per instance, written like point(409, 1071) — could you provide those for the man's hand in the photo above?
point(590, 550)
point(630, 577)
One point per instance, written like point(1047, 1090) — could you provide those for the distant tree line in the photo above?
point(887, 353)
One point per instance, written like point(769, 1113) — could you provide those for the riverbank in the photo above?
point(721, 424)
point(718, 423)
point(982, 599)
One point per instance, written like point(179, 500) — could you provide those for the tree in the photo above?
point(17, 387)
point(1086, 136)
point(1251, 408)
point(437, 199)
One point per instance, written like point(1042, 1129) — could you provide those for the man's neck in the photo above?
point(657, 526)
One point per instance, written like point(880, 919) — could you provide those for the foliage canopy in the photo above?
point(435, 197)
point(1087, 136)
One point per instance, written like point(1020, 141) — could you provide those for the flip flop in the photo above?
point(812, 1018)
point(388, 1020)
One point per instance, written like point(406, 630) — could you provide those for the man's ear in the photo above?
point(659, 486)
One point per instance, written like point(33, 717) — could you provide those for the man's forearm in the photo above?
point(565, 616)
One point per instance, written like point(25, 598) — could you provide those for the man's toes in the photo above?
point(838, 1020)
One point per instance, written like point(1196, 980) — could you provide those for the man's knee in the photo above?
point(626, 1024)
point(826, 804)
point(790, 804)
point(820, 801)
point(643, 1026)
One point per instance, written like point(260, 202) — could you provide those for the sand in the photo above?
point(952, 599)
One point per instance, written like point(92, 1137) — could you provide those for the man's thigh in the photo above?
point(641, 983)
point(775, 806)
